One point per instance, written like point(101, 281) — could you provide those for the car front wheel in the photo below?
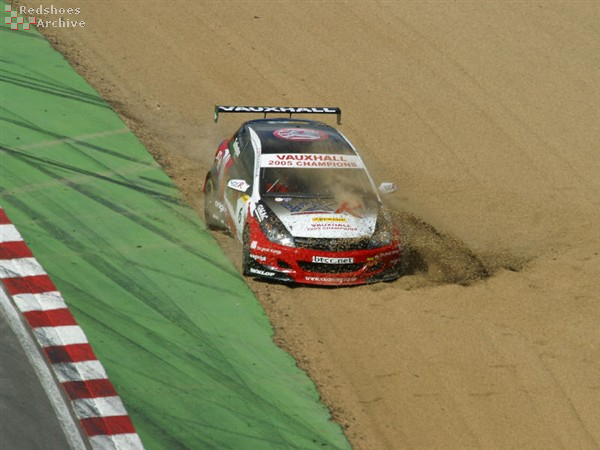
point(212, 215)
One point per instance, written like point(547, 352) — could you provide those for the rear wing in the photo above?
point(278, 110)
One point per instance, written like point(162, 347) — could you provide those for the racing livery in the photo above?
point(299, 198)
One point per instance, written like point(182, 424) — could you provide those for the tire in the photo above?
point(246, 260)
point(210, 207)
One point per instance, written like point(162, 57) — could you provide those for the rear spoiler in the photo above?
point(278, 110)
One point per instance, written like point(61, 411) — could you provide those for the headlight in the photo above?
point(384, 232)
point(273, 229)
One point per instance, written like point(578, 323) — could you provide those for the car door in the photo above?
point(242, 168)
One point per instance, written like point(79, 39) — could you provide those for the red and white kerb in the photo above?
point(95, 402)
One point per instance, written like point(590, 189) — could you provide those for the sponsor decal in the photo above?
point(236, 148)
point(331, 227)
point(300, 134)
point(238, 185)
point(254, 246)
point(261, 272)
point(329, 219)
point(278, 109)
point(220, 206)
point(310, 161)
point(330, 279)
point(258, 257)
point(261, 213)
point(326, 260)
point(384, 254)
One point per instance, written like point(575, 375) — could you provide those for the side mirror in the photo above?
point(387, 188)
point(238, 185)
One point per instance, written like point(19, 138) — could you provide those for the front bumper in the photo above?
point(320, 267)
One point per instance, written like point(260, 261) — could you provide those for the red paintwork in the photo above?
point(271, 255)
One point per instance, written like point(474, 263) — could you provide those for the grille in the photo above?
point(329, 268)
point(332, 245)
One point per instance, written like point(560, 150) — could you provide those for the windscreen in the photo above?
point(322, 182)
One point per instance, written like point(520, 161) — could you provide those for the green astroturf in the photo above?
point(181, 336)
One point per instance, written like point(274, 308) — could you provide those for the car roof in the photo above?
point(299, 136)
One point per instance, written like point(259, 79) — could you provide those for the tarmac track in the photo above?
point(486, 115)
point(29, 420)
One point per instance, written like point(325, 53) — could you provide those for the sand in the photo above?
point(487, 117)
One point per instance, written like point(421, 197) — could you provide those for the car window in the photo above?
point(247, 157)
point(243, 156)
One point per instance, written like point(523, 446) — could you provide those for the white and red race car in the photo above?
point(299, 198)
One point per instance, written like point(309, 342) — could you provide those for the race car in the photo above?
point(298, 197)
